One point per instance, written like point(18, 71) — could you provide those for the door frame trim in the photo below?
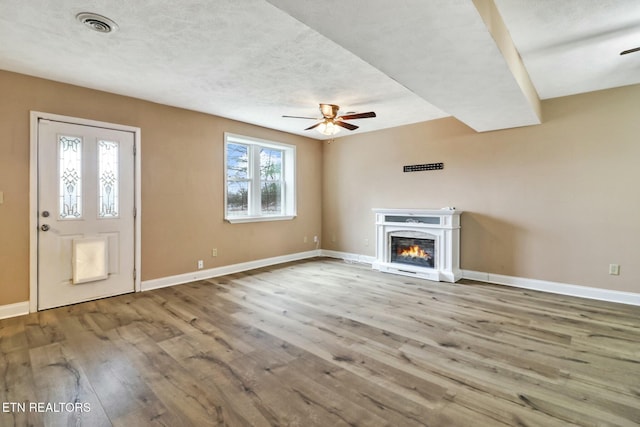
point(35, 116)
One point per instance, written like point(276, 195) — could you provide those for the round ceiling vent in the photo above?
point(96, 22)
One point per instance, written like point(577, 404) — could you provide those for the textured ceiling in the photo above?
point(441, 50)
point(573, 46)
point(255, 60)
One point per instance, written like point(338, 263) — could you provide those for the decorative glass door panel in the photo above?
point(70, 176)
point(108, 183)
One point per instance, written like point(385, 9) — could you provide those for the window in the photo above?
point(259, 179)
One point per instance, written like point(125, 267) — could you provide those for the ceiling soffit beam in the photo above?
point(441, 50)
point(498, 30)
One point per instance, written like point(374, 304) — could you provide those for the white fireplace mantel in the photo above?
point(439, 225)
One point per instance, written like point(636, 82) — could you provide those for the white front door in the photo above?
point(86, 203)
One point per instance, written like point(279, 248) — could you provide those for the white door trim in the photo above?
point(33, 195)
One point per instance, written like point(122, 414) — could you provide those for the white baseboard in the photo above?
point(163, 282)
point(600, 294)
point(365, 259)
point(13, 310)
point(22, 308)
point(555, 287)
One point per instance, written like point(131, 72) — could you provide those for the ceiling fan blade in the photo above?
point(358, 116)
point(300, 117)
point(314, 126)
point(345, 125)
point(628, 51)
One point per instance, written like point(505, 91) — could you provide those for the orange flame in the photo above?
point(414, 252)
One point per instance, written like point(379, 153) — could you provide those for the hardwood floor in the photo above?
point(324, 343)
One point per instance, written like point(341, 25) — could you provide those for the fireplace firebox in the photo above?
point(423, 243)
point(413, 251)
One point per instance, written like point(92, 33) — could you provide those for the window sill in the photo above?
point(241, 219)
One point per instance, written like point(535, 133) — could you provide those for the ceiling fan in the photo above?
point(330, 123)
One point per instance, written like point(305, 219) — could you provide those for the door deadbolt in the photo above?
point(45, 214)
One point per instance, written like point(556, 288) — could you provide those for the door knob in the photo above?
point(44, 227)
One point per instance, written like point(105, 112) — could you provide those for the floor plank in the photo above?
point(326, 343)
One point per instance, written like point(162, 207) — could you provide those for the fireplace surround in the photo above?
point(421, 243)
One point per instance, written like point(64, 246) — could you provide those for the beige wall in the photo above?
point(182, 183)
point(558, 201)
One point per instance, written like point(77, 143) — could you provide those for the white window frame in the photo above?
point(288, 173)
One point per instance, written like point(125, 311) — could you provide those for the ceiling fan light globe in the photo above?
point(328, 128)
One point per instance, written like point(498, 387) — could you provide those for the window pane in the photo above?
point(271, 197)
point(237, 198)
point(237, 161)
point(70, 177)
point(108, 179)
point(270, 164)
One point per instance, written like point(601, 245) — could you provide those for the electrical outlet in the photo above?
point(614, 269)
point(315, 239)
point(333, 238)
point(366, 242)
point(214, 252)
point(1, 197)
point(200, 264)
point(305, 239)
